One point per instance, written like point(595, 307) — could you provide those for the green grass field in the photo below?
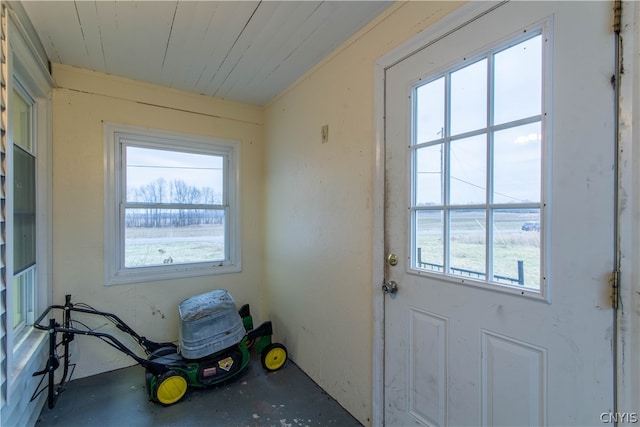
point(468, 249)
point(147, 246)
point(205, 243)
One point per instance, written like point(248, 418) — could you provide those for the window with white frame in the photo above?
point(172, 205)
point(27, 270)
point(476, 167)
point(23, 155)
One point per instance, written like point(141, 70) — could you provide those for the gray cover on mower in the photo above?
point(209, 323)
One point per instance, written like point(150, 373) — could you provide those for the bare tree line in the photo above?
point(174, 192)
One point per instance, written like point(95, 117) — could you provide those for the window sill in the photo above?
point(151, 274)
point(490, 286)
point(30, 345)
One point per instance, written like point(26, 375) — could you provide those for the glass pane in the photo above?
point(517, 155)
point(24, 210)
point(429, 241)
point(430, 111)
point(173, 236)
point(19, 312)
point(469, 98)
point(429, 178)
point(468, 171)
point(468, 238)
point(21, 121)
point(163, 176)
point(23, 297)
point(518, 81)
point(516, 247)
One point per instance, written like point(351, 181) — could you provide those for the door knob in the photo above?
point(390, 287)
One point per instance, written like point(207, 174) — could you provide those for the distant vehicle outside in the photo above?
point(531, 226)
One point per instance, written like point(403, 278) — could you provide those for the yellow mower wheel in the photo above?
point(274, 357)
point(171, 387)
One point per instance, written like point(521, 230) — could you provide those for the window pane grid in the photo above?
point(172, 206)
point(175, 213)
point(494, 128)
point(173, 209)
point(469, 174)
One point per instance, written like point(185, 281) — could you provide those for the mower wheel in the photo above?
point(170, 387)
point(274, 356)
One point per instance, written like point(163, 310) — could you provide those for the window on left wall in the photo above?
point(25, 278)
point(28, 205)
point(172, 205)
point(26, 143)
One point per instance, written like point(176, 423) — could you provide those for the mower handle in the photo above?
point(148, 345)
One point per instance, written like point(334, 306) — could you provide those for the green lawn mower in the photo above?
point(214, 343)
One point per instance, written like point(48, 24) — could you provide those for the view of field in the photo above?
point(148, 246)
point(468, 250)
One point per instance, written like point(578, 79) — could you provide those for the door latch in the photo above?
point(391, 287)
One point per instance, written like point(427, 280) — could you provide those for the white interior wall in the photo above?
point(320, 209)
point(81, 102)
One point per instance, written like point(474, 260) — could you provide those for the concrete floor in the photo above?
point(284, 398)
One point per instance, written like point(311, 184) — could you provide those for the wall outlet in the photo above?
point(324, 133)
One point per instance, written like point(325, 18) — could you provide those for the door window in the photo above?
point(476, 167)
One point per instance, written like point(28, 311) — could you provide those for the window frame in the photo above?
point(26, 72)
point(27, 297)
point(117, 136)
point(545, 119)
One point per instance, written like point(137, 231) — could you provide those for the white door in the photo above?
point(499, 207)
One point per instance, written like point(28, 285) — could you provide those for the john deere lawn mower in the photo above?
point(214, 343)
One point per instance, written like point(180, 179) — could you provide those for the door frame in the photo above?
point(628, 317)
point(628, 324)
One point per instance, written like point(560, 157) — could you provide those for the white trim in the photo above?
point(29, 56)
point(25, 65)
point(27, 33)
point(438, 30)
point(628, 324)
point(117, 274)
point(378, 243)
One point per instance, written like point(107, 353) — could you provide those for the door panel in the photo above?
point(463, 352)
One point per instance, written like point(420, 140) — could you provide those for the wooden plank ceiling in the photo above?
point(247, 51)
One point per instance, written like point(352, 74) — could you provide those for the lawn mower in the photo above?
point(215, 339)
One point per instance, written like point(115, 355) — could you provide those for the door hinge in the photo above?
point(615, 288)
